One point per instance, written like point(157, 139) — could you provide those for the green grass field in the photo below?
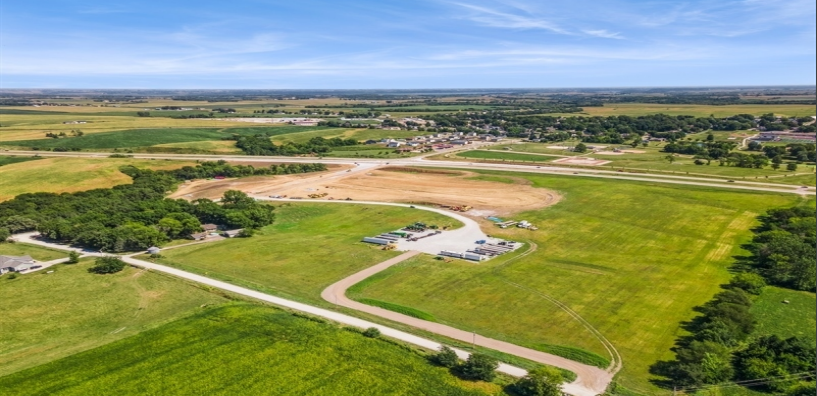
point(51, 316)
point(151, 137)
point(505, 155)
point(36, 252)
point(309, 247)
point(244, 349)
point(632, 258)
point(652, 160)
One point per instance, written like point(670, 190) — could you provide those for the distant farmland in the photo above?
point(150, 137)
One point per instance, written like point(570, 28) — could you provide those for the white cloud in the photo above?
point(603, 34)
point(494, 18)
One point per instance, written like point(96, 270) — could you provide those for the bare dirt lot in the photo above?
point(389, 185)
point(581, 161)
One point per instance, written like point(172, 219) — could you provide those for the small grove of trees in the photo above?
point(73, 257)
point(262, 145)
point(476, 367)
point(783, 249)
point(580, 148)
point(543, 381)
point(143, 113)
point(107, 265)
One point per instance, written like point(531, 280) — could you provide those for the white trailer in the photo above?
point(377, 241)
point(450, 254)
point(472, 256)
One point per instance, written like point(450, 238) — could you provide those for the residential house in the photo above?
point(15, 263)
point(232, 233)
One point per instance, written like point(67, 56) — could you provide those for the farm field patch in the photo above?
point(70, 310)
point(150, 137)
point(244, 349)
point(639, 109)
point(59, 175)
point(616, 253)
point(8, 160)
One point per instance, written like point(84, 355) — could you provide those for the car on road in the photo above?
point(730, 181)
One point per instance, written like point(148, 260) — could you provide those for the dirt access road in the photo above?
point(589, 381)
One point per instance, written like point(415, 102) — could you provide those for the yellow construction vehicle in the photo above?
point(390, 246)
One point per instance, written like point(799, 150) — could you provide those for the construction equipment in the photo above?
point(390, 246)
point(321, 195)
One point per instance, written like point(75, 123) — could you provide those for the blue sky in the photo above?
point(405, 44)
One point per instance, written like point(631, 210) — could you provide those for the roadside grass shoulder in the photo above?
point(51, 316)
point(501, 155)
point(245, 349)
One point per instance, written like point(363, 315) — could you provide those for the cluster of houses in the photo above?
point(17, 264)
point(437, 140)
point(213, 230)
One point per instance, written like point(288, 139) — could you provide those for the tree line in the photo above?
point(723, 346)
point(136, 216)
point(262, 145)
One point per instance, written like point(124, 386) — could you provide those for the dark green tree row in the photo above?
point(135, 216)
point(262, 145)
point(210, 169)
point(723, 347)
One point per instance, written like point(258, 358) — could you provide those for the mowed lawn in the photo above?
point(244, 349)
point(309, 247)
point(151, 137)
point(631, 258)
point(50, 316)
point(58, 175)
point(38, 253)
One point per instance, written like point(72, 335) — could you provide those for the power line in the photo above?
point(753, 382)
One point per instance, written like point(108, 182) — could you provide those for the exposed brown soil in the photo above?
point(453, 188)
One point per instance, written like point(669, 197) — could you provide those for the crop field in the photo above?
point(795, 318)
point(36, 252)
point(616, 253)
point(505, 155)
point(151, 137)
point(59, 175)
point(244, 349)
point(309, 247)
point(639, 109)
point(34, 126)
point(70, 310)
point(7, 160)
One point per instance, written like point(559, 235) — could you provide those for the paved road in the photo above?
point(421, 161)
point(589, 381)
